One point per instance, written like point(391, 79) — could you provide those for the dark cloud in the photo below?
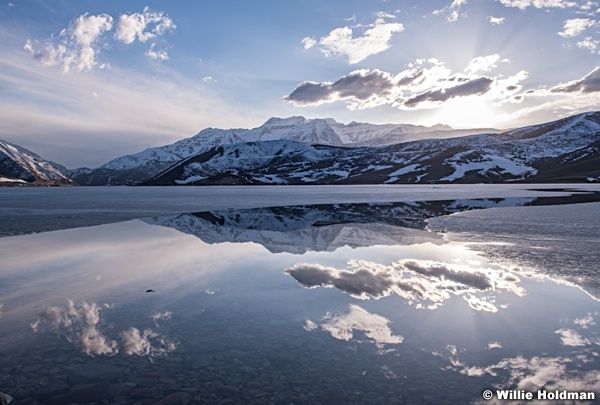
point(590, 83)
point(360, 85)
point(476, 280)
point(477, 86)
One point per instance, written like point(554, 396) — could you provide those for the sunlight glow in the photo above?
point(466, 112)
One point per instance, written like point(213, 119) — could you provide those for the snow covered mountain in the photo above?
point(21, 167)
point(567, 150)
point(132, 169)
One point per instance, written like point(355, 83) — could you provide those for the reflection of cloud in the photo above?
point(413, 280)
point(161, 316)
point(584, 322)
point(310, 325)
point(569, 337)
point(374, 326)
point(494, 345)
point(548, 373)
point(80, 323)
point(139, 344)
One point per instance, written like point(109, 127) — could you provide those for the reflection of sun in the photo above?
point(466, 112)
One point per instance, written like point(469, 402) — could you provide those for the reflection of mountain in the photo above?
point(326, 227)
point(287, 237)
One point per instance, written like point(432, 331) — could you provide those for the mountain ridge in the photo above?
point(296, 150)
point(130, 169)
point(565, 150)
point(20, 166)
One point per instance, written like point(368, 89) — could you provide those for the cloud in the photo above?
point(341, 41)
point(477, 86)
point(156, 55)
point(77, 46)
point(146, 108)
point(482, 63)
point(452, 11)
point(308, 42)
point(207, 79)
point(376, 327)
point(428, 284)
point(523, 4)
point(494, 345)
point(588, 43)
point(142, 26)
point(424, 84)
point(574, 27)
point(362, 85)
point(496, 20)
point(590, 83)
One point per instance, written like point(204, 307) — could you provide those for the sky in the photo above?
point(86, 81)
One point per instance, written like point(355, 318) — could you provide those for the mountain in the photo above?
point(133, 169)
point(21, 167)
point(566, 150)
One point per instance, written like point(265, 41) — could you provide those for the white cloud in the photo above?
point(494, 345)
point(374, 40)
point(588, 43)
point(77, 44)
point(574, 27)
point(142, 26)
point(482, 63)
point(308, 42)
point(156, 55)
point(496, 20)
point(146, 109)
point(425, 84)
point(452, 11)
point(523, 4)
point(207, 79)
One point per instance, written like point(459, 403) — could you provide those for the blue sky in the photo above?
point(82, 82)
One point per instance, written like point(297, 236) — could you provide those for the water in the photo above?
point(426, 300)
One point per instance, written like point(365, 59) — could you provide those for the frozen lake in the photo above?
point(349, 295)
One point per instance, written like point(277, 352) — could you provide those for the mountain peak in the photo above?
point(276, 121)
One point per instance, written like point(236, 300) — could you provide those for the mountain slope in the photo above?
point(563, 150)
point(132, 169)
point(19, 166)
